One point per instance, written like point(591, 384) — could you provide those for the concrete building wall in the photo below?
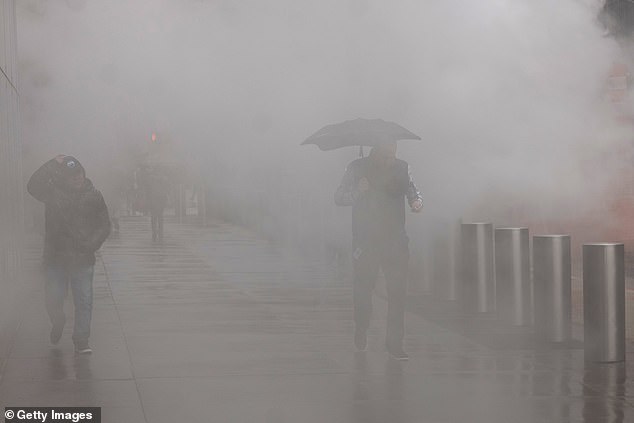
point(11, 182)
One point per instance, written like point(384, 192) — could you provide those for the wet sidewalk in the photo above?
point(216, 325)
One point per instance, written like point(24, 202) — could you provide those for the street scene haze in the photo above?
point(333, 211)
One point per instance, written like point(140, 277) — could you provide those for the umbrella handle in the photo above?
point(360, 151)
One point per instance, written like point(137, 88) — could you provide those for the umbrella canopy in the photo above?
point(359, 132)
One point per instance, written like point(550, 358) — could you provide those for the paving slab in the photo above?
point(215, 324)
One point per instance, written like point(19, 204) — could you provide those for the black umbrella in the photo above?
point(370, 132)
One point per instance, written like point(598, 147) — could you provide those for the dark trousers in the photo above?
point(156, 219)
point(392, 259)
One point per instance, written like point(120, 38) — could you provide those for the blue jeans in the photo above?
point(80, 277)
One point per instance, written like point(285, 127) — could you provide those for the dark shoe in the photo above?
point(83, 348)
point(360, 340)
point(56, 332)
point(397, 354)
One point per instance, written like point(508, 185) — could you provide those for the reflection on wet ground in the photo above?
point(215, 324)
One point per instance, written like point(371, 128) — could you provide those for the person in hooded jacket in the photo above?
point(76, 225)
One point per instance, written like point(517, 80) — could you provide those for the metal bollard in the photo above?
point(552, 282)
point(604, 302)
point(512, 276)
point(453, 261)
point(478, 277)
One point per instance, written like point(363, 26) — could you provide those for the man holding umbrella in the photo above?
point(376, 187)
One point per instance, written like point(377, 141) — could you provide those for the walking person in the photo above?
point(76, 225)
point(157, 199)
point(117, 207)
point(377, 187)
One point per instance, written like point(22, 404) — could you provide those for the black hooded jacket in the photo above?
point(76, 222)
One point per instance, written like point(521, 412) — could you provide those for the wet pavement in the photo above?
point(216, 325)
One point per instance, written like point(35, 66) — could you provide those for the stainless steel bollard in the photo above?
point(453, 261)
point(513, 276)
point(552, 283)
point(478, 277)
point(604, 302)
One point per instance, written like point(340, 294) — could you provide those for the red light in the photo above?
point(153, 137)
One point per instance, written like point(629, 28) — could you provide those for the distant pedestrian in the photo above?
point(156, 195)
point(115, 218)
point(377, 187)
point(116, 203)
point(76, 225)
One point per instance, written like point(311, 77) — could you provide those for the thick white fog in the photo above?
point(508, 95)
point(511, 100)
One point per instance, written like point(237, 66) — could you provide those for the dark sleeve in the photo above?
point(41, 183)
point(102, 227)
point(347, 193)
point(412, 192)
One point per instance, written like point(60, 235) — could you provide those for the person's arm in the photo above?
point(102, 227)
point(347, 193)
point(41, 183)
point(414, 198)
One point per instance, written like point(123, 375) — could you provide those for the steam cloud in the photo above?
point(507, 95)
